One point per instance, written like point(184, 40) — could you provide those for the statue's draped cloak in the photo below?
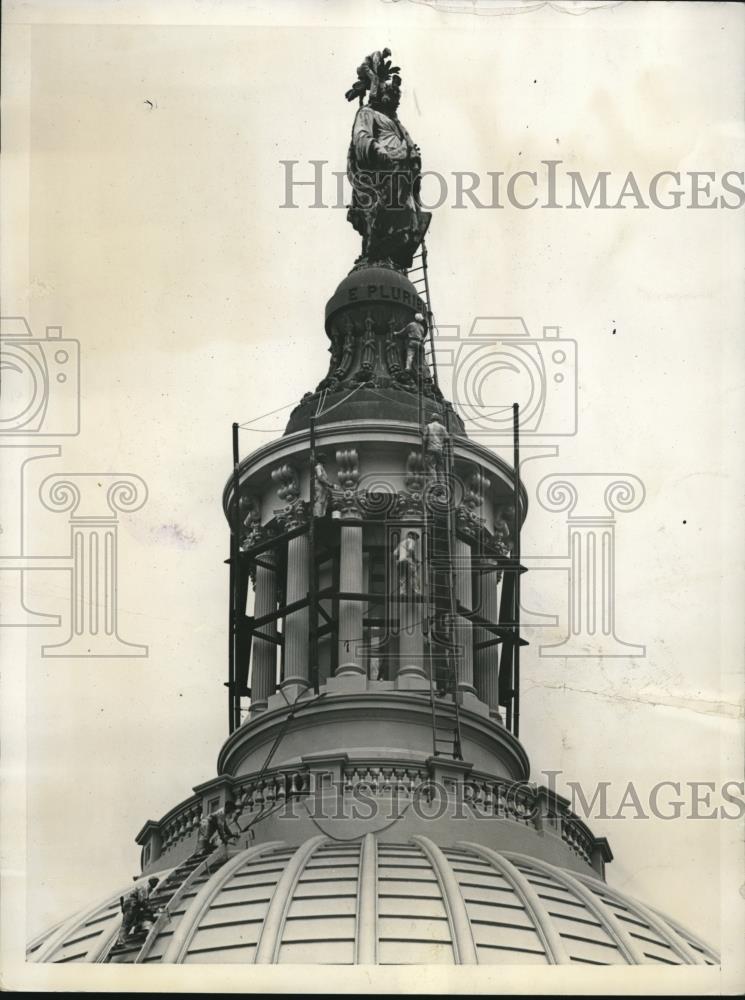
point(383, 168)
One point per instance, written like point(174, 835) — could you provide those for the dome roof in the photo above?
point(372, 284)
point(369, 902)
point(371, 403)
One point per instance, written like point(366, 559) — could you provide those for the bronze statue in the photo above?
point(384, 168)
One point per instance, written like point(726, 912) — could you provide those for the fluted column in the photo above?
point(264, 651)
point(350, 612)
point(463, 630)
point(94, 502)
point(410, 643)
point(296, 669)
point(485, 661)
point(591, 501)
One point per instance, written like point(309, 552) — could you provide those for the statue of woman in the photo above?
point(384, 168)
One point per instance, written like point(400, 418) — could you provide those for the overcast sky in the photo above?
point(156, 239)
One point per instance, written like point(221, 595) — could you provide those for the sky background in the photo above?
point(149, 225)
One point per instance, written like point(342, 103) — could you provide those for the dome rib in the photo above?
point(100, 953)
point(550, 938)
point(189, 923)
point(270, 939)
point(322, 902)
point(36, 942)
point(66, 928)
point(668, 934)
point(366, 938)
point(464, 947)
point(625, 943)
point(164, 917)
point(688, 936)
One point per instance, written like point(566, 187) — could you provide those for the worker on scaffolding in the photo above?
point(414, 335)
point(322, 488)
point(216, 825)
point(138, 912)
point(407, 558)
point(435, 441)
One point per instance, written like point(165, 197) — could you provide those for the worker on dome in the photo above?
point(138, 912)
point(413, 335)
point(216, 824)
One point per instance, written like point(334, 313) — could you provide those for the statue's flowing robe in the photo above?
point(384, 208)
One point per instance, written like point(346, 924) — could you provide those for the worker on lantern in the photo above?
point(407, 558)
point(435, 441)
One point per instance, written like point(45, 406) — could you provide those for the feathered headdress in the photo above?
point(372, 74)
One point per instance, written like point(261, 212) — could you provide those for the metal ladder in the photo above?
point(166, 896)
point(439, 530)
point(441, 612)
point(418, 276)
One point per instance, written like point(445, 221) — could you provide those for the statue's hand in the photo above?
point(381, 154)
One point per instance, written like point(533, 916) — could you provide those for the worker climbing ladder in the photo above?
point(419, 277)
point(443, 622)
point(440, 612)
point(165, 899)
point(440, 606)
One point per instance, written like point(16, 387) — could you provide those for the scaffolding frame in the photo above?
point(505, 632)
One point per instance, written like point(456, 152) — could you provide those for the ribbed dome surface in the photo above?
point(372, 902)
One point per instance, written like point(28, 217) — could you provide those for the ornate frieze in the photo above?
point(369, 352)
point(469, 521)
point(347, 350)
point(292, 515)
point(346, 501)
point(393, 350)
point(295, 512)
point(288, 485)
point(503, 523)
point(408, 502)
point(250, 516)
point(414, 479)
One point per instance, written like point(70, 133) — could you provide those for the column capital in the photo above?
point(597, 496)
point(90, 496)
